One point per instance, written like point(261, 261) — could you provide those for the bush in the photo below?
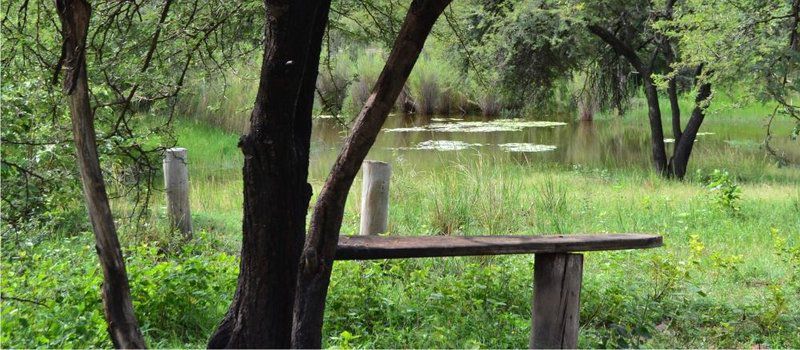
point(434, 83)
point(726, 194)
point(51, 294)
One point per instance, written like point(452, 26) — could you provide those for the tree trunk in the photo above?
point(326, 221)
point(684, 145)
point(656, 128)
point(123, 328)
point(276, 188)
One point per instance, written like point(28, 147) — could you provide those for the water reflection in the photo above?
point(600, 143)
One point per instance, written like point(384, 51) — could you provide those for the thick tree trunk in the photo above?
point(320, 246)
point(684, 145)
point(276, 189)
point(123, 327)
point(656, 128)
point(650, 91)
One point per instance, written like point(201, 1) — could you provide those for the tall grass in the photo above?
point(433, 86)
point(343, 86)
point(366, 67)
point(721, 280)
point(223, 102)
point(333, 82)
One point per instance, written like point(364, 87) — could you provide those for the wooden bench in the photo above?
point(558, 270)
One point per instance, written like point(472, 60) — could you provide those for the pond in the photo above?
point(607, 143)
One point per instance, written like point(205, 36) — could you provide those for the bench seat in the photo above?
point(400, 247)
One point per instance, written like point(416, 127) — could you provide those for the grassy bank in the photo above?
point(728, 276)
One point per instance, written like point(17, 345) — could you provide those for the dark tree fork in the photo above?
point(276, 303)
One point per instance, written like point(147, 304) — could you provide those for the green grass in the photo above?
point(724, 278)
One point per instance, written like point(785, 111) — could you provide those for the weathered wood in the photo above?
point(375, 197)
point(176, 184)
point(376, 247)
point(556, 301)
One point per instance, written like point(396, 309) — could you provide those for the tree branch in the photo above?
point(621, 49)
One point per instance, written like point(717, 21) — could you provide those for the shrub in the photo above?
point(51, 294)
point(426, 91)
point(433, 82)
point(726, 194)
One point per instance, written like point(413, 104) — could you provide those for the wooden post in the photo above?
point(176, 183)
point(556, 301)
point(375, 197)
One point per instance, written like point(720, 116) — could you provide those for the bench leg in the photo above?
point(556, 301)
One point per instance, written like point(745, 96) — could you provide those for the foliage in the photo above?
point(750, 44)
point(138, 56)
point(40, 192)
point(725, 192)
point(721, 281)
point(332, 84)
point(51, 298)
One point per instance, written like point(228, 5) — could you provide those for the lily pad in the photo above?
point(480, 126)
point(529, 123)
point(442, 145)
point(526, 147)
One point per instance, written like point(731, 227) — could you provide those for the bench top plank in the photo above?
point(399, 247)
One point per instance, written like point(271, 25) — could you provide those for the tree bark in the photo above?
point(656, 129)
point(672, 93)
point(123, 328)
point(684, 145)
point(650, 91)
point(326, 220)
point(276, 188)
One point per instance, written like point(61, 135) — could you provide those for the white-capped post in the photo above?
point(176, 183)
point(375, 197)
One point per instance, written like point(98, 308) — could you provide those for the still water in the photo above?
point(608, 144)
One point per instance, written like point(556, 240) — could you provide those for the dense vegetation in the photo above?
point(184, 73)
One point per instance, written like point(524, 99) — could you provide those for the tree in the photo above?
point(276, 188)
point(753, 46)
point(326, 221)
point(635, 40)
